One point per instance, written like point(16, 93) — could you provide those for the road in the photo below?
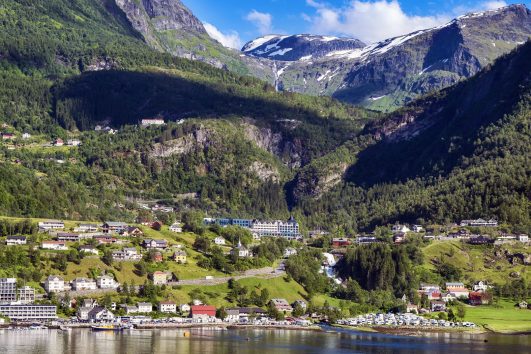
point(265, 273)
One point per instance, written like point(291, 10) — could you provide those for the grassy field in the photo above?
point(476, 262)
point(504, 317)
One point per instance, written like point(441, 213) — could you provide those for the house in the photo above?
point(26, 136)
point(281, 305)
point(58, 142)
point(130, 309)
point(437, 306)
point(411, 308)
point(146, 122)
point(89, 249)
point(83, 284)
point(233, 315)
point(400, 228)
point(480, 286)
point(431, 291)
point(176, 227)
point(523, 238)
point(290, 251)
point(301, 303)
point(127, 254)
point(113, 226)
point(184, 308)
point(16, 240)
point(447, 297)
point(159, 278)
point(203, 312)
point(132, 231)
point(29, 312)
point(417, 228)
point(220, 241)
point(399, 237)
point(154, 244)
point(243, 314)
point(51, 225)
point(54, 245)
point(523, 305)
point(86, 228)
point(480, 240)
point(68, 236)
point(106, 282)
point(99, 314)
point(144, 307)
point(365, 240)
point(240, 251)
point(341, 242)
point(179, 256)
point(476, 298)
point(457, 289)
point(479, 223)
point(167, 307)
point(54, 284)
point(105, 239)
point(73, 142)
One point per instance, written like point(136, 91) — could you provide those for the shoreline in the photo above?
point(416, 331)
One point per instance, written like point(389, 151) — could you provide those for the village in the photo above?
point(123, 242)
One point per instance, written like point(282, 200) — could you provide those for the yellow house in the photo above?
point(179, 256)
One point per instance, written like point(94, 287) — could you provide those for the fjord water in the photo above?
point(253, 341)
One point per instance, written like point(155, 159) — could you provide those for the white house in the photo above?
point(152, 121)
point(176, 227)
point(106, 282)
point(54, 245)
point(16, 240)
point(26, 135)
point(241, 251)
point(523, 238)
point(417, 228)
point(88, 249)
point(145, 307)
point(184, 308)
point(167, 307)
point(220, 241)
point(100, 313)
point(83, 284)
point(290, 251)
point(54, 284)
point(400, 228)
point(481, 286)
point(51, 225)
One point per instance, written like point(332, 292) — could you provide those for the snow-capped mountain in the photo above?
point(390, 73)
point(298, 47)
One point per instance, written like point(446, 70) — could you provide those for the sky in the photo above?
point(235, 22)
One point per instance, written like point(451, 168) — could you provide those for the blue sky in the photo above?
point(234, 22)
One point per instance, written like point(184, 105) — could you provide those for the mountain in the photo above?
point(169, 26)
point(454, 154)
point(390, 73)
point(298, 47)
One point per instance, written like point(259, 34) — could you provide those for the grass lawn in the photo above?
point(476, 262)
point(505, 318)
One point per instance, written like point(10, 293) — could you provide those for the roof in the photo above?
point(455, 284)
point(54, 277)
point(203, 308)
point(115, 223)
point(16, 237)
point(144, 304)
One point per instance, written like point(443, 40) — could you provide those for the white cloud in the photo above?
point(492, 5)
point(262, 21)
point(230, 40)
point(370, 21)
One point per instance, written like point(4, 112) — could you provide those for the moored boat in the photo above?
point(115, 328)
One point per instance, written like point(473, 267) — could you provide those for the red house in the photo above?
point(479, 298)
point(203, 311)
point(341, 242)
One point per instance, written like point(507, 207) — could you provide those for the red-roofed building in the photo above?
point(479, 298)
point(203, 311)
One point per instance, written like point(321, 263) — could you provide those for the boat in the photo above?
point(115, 328)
